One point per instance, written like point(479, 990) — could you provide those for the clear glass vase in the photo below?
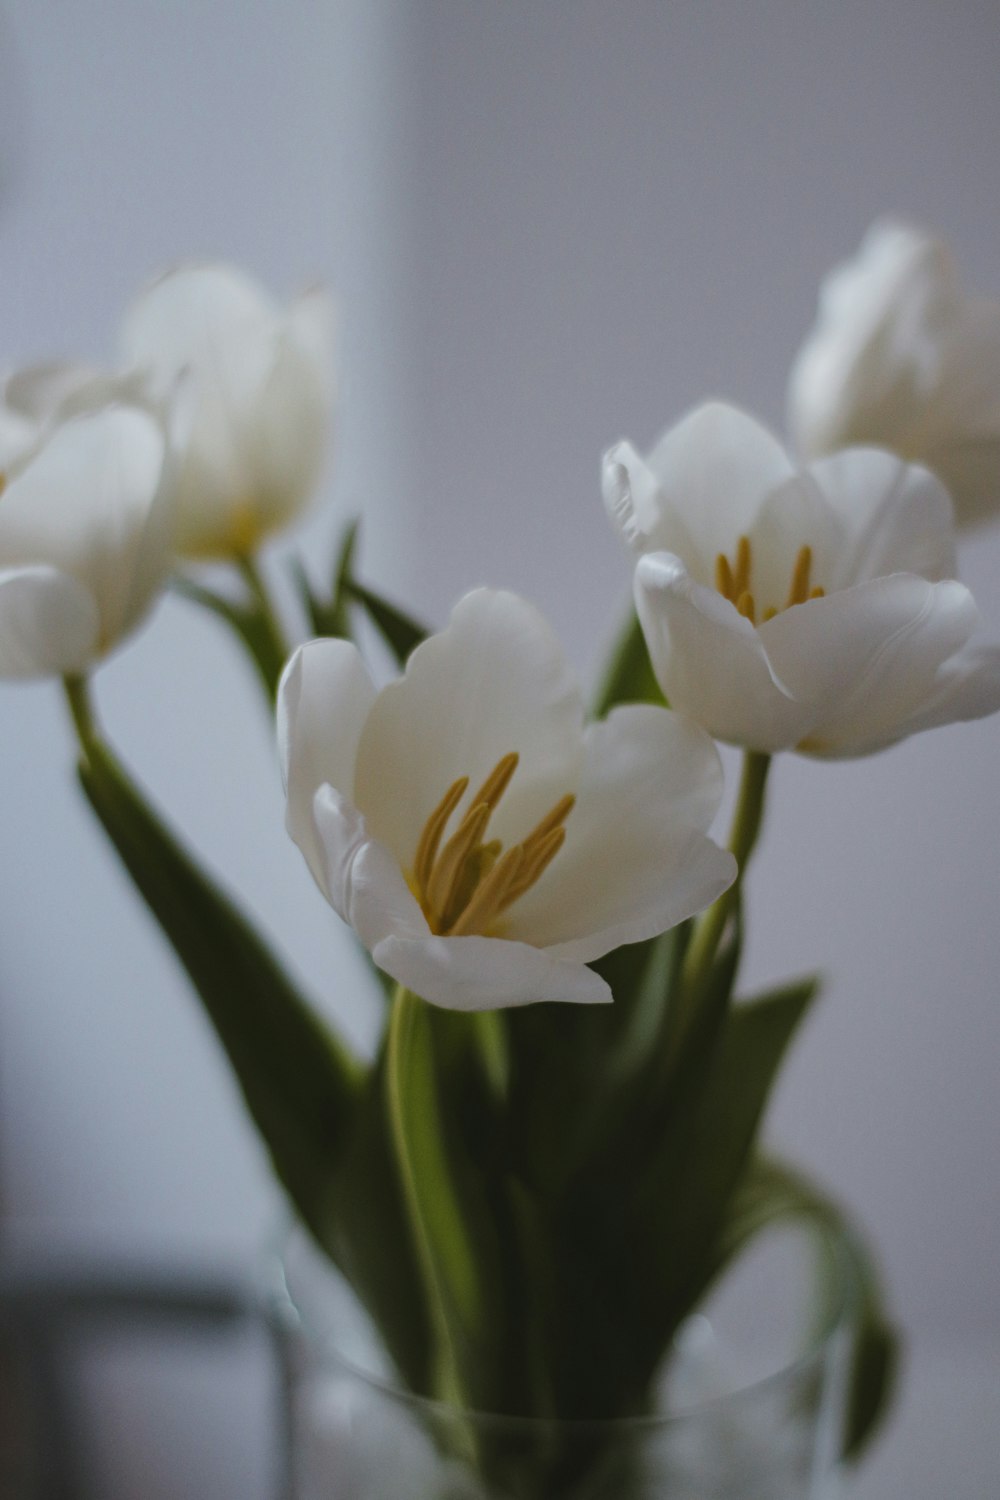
point(750, 1404)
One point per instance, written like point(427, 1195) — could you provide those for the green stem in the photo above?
point(417, 1159)
point(81, 709)
point(747, 820)
point(255, 582)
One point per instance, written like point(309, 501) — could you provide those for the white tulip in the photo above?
point(259, 384)
point(85, 540)
point(596, 835)
point(811, 610)
point(900, 357)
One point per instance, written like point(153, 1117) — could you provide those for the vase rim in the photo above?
point(839, 1312)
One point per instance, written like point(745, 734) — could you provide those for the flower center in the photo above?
point(734, 580)
point(464, 886)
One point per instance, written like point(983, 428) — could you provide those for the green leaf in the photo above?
point(329, 617)
point(453, 1227)
point(370, 1236)
point(401, 633)
point(629, 675)
point(250, 625)
point(299, 1084)
point(773, 1191)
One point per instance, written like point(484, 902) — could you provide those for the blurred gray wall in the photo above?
point(549, 225)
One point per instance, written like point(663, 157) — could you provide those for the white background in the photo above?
point(549, 225)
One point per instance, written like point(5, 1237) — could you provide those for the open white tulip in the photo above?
point(811, 610)
point(484, 844)
point(259, 384)
point(85, 540)
point(901, 357)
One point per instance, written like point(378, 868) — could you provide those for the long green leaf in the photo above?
point(299, 1084)
point(453, 1227)
point(773, 1191)
point(250, 626)
point(401, 633)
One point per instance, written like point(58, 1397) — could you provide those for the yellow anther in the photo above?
point(553, 818)
point(746, 606)
point(733, 582)
point(541, 856)
point(446, 875)
point(798, 591)
point(741, 573)
point(497, 781)
point(463, 888)
point(723, 576)
point(819, 592)
point(427, 848)
point(488, 898)
point(3, 482)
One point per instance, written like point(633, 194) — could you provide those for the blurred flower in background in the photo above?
point(901, 357)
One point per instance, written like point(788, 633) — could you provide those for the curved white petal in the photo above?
point(49, 623)
point(709, 661)
point(850, 382)
point(288, 438)
point(479, 973)
point(715, 469)
point(83, 503)
point(635, 861)
point(324, 698)
point(243, 472)
point(637, 506)
point(867, 659)
point(360, 877)
point(894, 517)
point(494, 681)
point(966, 686)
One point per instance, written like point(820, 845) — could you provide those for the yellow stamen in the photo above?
point(723, 576)
point(553, 818)
point(433, 829)
point(488, 898)
point(733, 580)
point(497, 781)
point(534, 868)
point(741, 573)
point(3, 482)
point(746, 606)
point(798, 591)
point(447, 872)
point(464, 888)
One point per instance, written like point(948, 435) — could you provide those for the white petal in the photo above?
point(494, 681)
point(38, 392)
point(636, 861)
point(967, 686)
point(48, 623)
point(895, 518)
point(217, 325)
point(324, 697)
point(853, 379)
point(868, 659)
point(480, 973)
point(83, 505)
point(709, 660)
point(359, 876)
point(288, 437)
point(189, 314)
point(716, 468)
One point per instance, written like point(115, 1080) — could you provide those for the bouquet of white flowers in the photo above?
point(528, 1199)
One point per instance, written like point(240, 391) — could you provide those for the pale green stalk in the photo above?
point(709, 931)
